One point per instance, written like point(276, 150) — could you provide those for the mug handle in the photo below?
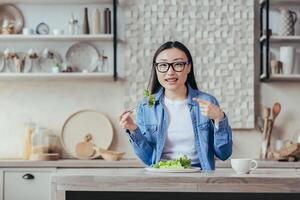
point(255, 164)
point(294, 17)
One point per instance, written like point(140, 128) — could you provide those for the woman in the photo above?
point(183, 120)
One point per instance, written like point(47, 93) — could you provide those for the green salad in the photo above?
point(151, 98)
point(180, 163)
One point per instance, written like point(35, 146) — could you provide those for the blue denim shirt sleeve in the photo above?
point(222, 137)
point(142, 147)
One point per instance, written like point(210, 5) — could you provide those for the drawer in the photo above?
point(20, 185)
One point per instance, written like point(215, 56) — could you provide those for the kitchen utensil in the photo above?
point(111, 155)
point(275, 111)
point(266, 115)
point(11, 15)
point(85, 149)
point(83, 56)
point(86, 121)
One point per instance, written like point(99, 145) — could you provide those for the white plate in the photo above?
point(10, 63)
point(187, 170)
point(83, 122)
point(47, 63)
point(83, 56)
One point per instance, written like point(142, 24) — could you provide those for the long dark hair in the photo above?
point(153, 84)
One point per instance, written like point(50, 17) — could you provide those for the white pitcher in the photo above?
point(288, 20)
point(287, 57)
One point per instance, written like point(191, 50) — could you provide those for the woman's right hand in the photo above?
point(126, 121)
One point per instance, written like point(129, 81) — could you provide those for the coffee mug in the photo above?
point(27, 31)
point(58, 32)
point(243, 165)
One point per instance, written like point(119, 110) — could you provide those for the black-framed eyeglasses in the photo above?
point(163, 67)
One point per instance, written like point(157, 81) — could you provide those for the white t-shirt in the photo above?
point(180, 138)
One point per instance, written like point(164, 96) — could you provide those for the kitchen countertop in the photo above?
point(125, 163)
point(264, 180)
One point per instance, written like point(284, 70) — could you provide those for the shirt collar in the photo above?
point(191, 94)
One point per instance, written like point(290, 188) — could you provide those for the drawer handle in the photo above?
point(28, 176)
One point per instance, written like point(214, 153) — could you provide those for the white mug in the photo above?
point(243, 165)
point(27, 31)
point(58, 31)
point(287, 57)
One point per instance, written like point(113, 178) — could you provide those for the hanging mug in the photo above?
point(288, 20)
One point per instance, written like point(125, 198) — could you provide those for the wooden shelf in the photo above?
point(57, 1)
point(20, 37)
point(284, 2)
point(58, 76)
point(283, 39)
point(283, 77)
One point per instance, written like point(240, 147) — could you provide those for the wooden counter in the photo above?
point(125, 163)
point(139, 180)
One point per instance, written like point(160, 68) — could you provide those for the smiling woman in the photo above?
point(184, 120)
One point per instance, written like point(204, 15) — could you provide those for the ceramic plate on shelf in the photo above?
point(83, 122)
point(169, 170)
point(10, 63)
point(83, 56)
point(2, 62)
point(46, 63)
point(12, 15)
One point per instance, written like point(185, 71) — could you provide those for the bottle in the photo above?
point(107, 21)
point(29, 128)
point(71, 25)
point(96, 22)
point(86, 26)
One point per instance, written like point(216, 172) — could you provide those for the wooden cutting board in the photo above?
point(79, 124)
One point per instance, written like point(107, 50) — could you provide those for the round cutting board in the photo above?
point(83, 122)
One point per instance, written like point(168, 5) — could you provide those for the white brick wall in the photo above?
point(220, 36)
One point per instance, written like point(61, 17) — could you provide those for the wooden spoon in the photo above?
point(266, 115)
point(276, 110)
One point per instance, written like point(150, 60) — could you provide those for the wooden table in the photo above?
point(264, 180)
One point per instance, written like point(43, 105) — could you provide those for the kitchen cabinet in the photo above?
point(109, 41)
point(267, 39)
point(20, 184)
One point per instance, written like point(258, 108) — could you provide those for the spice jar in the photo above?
point(44, 144)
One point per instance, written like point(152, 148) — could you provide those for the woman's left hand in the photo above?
point(210, 110)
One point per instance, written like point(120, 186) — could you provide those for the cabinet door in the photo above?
point(1, 184)
point(33, 185)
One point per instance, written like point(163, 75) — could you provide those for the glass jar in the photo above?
point(29, 128)
point(44, 141)
point(73, 27)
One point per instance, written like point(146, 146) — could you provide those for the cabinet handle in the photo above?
point(28, 176)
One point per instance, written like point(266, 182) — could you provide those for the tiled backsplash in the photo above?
point(220, 36)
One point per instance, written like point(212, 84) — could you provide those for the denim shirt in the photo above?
point(149, 138)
